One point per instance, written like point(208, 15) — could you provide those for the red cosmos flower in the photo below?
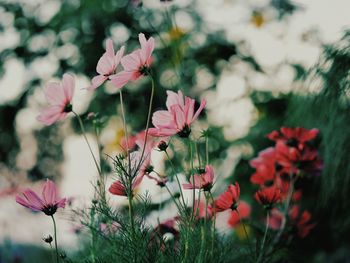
point(118, 188)
point(294, 137)
point(59, 95)
point(268, 196)
point(202, 181)
point(199, 210)
point(301, 221)
point(49, 203)
point(135, 64)
point(276, 219)
point(293, 161)
point(244, 211)
point(228, 199)
point(265, 165)
point(178, 118)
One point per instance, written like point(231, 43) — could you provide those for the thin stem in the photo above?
point(194, 190)
point(147, 124)
point(87, 142)
point(265, 235)
point(246, 233)
point(207, 150)
point(177, 178)
point(55, 236)
point(285, 212)
point(214, 221)
point(125, 130)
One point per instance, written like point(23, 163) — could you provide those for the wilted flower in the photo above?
point(178, 118)
point(228, 199)
point(202, 181)
point(47, 204)
point(59, 95)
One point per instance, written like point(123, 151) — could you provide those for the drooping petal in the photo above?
point(61, 203)
point(201, 107)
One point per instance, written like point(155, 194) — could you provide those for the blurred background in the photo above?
point(260, 64)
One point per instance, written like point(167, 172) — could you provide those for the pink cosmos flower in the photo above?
point(178, 118)
point(202, 181)
point(135, 64)
point(107, 64)
point(47, 204)
point(59, 95)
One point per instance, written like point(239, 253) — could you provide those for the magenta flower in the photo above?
point(47, 204)
point(59, 95)
point(135, 64)
point(202, 181)
point(178, 118)
point(107, 64)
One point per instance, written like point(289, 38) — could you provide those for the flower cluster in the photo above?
point(277, 168)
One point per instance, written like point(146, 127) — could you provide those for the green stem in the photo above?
point(207, 150)
point(264, 239)
point(87, 142)
point(176, 177)
point(147, 124)
point(125, 130)
point(55, 237)
point(246, 233)
point(213, 228)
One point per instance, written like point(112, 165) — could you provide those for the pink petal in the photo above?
point(119, 56)
point(109, 48)
point(121, 79)
point(189, 109)
point(106, 65)
point(34, 200)
point(146, 47)
point(51, 114)
point(25, 203)
point(163, 118)
point(61, 203)
point(97, 81)
point(201, 107)
point(132, 62)
point(162, 132)
point(49, 192)
point(68, 84)
point(174, 99)
point(179, 116)
point(54, 94)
